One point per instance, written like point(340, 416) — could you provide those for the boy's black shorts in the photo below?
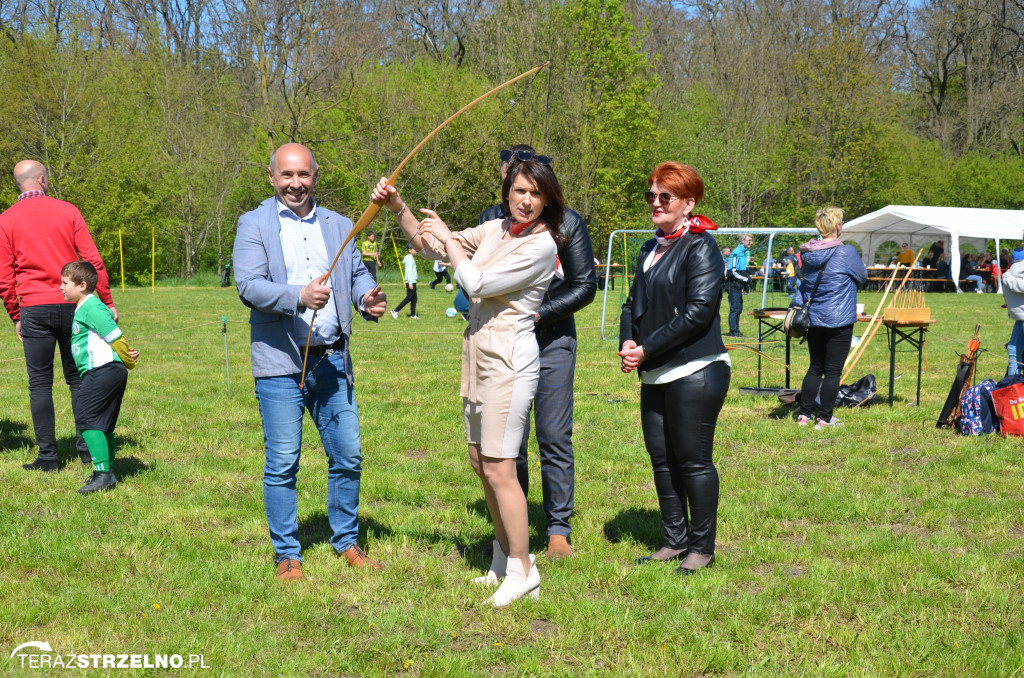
point(99, 397)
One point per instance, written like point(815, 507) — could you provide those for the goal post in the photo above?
point(769, 246)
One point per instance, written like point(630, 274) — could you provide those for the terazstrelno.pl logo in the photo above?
point(39, 655)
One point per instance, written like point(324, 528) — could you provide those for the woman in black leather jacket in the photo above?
point(671, 333)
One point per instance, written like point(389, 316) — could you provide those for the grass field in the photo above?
point(881, 548)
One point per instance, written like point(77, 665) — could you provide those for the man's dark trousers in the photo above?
point(735, 308)
point(553, 413)
point(44, 328)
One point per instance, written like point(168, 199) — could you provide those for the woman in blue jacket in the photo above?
point(833, 313)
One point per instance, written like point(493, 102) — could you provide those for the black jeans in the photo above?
point(828, 347)
point(552, 411)
point(441, 275)
point(679, 420)
point(410, 298)
point(44, 328)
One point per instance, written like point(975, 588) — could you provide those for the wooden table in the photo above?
point(769, 324)
point(909, 332)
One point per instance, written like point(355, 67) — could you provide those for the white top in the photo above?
point(306, 258)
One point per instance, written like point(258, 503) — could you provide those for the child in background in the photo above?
point(409, 265)
point(103, 358)
point(441, 273)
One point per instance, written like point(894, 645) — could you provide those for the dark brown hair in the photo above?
point(81, 272)
point(547, 183)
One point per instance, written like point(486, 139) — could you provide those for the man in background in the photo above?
point(38, 235)
point(736, 280)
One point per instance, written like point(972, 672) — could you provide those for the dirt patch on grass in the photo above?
point(541, 628)
point(905, 529)
point(417, 453)
point(906, 457)
point(779, 569)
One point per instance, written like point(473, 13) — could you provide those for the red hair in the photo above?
point(681, 180)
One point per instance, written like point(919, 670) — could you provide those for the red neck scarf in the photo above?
point(698, 223)
point(520, 229)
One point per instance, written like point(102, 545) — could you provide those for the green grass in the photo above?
point(884, 547)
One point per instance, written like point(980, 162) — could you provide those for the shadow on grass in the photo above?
point(14, 435)
point(783, 411)
point(126, 467)
point(315, 528)
point(640, 525)
point(67, 455)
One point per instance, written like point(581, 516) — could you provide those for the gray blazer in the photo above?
point(277, 333)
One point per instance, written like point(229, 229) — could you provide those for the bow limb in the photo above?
point(374, 207)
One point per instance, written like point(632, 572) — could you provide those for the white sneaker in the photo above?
point(497, 569)
point(415, 317)
point(516, 584)
point(822, 424)
point(394, 314)
point(802, 420)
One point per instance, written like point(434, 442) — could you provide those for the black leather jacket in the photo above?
point(673, 308)
point(578, 285)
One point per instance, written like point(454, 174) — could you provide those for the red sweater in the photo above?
point(37, 237)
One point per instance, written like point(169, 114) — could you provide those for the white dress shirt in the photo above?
point(305, 259)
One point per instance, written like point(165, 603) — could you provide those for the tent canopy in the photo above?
point(921, 226)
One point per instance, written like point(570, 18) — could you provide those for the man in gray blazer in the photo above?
point(282, 252)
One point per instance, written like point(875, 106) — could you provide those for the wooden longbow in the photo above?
point(374, 207)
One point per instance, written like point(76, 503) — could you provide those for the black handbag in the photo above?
point(798, 318)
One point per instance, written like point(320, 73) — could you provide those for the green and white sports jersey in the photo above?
point(91, 333)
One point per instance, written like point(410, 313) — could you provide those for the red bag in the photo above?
point(1009, 404)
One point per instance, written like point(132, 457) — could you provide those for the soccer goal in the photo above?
point(766, 268)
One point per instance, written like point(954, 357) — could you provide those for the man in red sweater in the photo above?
point(38, 235)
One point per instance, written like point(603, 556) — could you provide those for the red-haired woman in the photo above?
point(671, 333)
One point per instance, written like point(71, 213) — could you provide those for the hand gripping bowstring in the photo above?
point(374, 207)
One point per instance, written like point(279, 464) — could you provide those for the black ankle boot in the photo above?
point(46, 465)
point(101, 480)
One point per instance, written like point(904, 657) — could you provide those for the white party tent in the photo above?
point(922, 226)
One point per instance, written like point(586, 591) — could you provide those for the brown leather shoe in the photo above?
point(357, 558)
point(558, 547)
point(289, 569)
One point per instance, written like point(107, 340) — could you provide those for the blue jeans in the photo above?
point(1014, 349)
point(552, 410)
point(332, 405)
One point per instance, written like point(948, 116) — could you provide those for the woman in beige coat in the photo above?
point(504, 266)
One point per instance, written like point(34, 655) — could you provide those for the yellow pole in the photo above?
point(120, 247)
point(401, 269)
point(152, 265)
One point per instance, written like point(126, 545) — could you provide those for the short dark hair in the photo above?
point(81, 272)
point(547, 182)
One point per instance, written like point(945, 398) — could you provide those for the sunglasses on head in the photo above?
point(663, 198)
point(507, 155)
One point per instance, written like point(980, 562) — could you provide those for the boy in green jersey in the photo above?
point(103, 358)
